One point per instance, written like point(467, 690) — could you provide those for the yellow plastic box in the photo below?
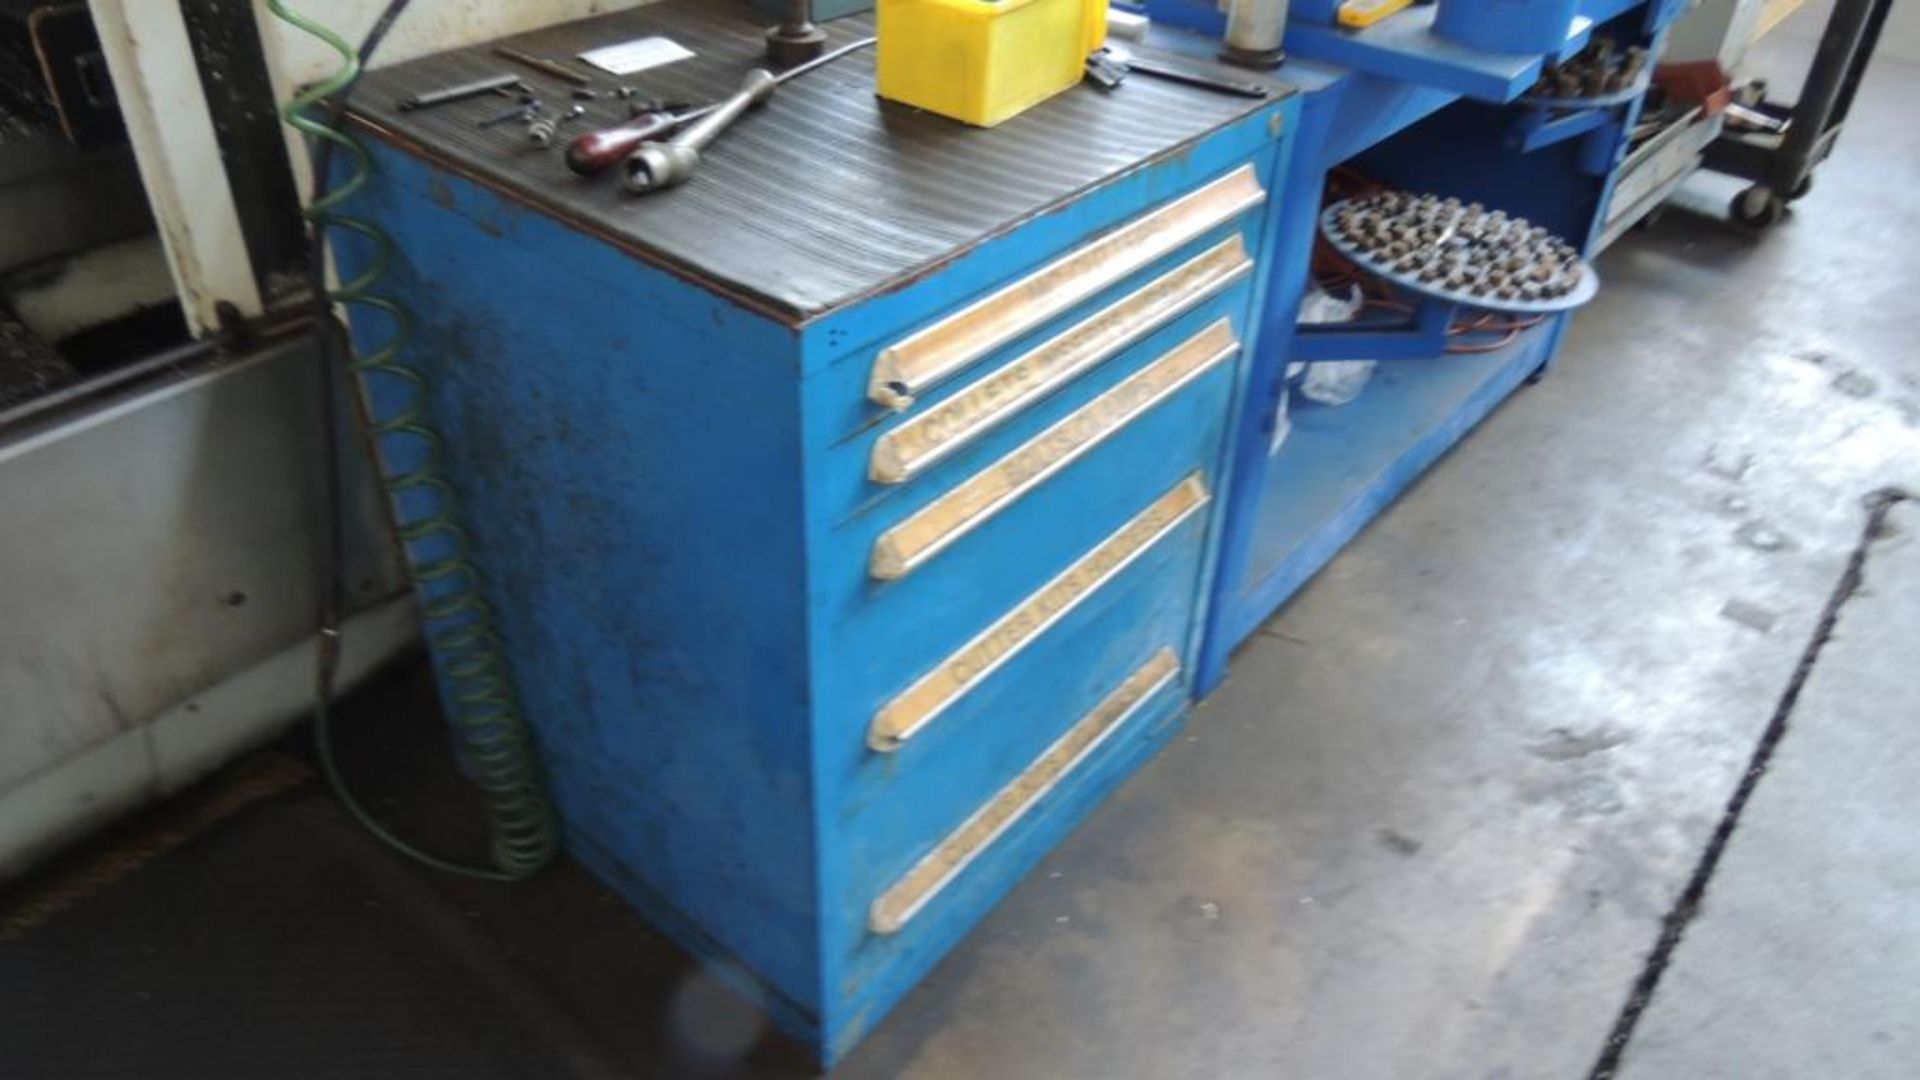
point(984, 62)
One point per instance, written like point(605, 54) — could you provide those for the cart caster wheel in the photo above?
point(1800, 189)
point(1757, 207)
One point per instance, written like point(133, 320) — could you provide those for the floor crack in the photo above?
point(1281, 635)
point(1687, 906)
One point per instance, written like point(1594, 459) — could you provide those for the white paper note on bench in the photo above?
point(636, 55)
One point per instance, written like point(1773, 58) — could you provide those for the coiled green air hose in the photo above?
point(477, 689)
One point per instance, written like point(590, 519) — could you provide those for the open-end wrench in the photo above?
point(1110, 66)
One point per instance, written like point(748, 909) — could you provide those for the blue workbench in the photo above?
point(861, 513)
point(1423, 114)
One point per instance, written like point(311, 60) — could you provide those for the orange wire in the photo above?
point(1331, 270)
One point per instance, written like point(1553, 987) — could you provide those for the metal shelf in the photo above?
point(1341, 465)
point(1404, 47)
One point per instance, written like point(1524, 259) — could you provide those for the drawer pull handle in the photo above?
point(906, 368)
point(917, 706)
point(943, 864)
point(927, 531)
point(909, 449)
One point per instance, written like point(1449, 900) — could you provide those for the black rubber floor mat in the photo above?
point(29, 367)
point(287, 943)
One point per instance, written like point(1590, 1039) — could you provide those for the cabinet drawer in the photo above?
point(909, 448)
point(839, 403)
point(897, 807)
point(908, 368)
point(882, 635)
point(975, 837)
point(916, 539)
point(907, 712)
point(897, 467)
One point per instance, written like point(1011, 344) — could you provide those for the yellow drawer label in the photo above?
point(919, 704)
point(906, 897)
point(907, 450)
point(929, 530)
point(908, 367)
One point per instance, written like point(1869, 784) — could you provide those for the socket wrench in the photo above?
point(656, 166)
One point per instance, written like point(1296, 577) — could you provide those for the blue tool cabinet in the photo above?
point(850, 511)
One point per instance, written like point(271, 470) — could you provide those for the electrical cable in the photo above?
point(477, 690)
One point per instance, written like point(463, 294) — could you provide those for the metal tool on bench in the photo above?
point(542, 129)
point(798, 38)
point(540, 63)
point(1109, 67)
point(529, 108)
point(655, 165)
point(459, 91)
point(598, 151)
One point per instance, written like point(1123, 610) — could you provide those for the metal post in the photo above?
point(1813, 113)
point(797, 39)
point(1255, 29)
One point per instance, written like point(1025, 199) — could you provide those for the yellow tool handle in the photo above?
point(1361, 13)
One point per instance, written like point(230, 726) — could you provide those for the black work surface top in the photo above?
point(823, 196)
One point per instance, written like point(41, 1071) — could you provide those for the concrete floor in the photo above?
point(1802, 962)
point(1431, 827)
point(1433, 822)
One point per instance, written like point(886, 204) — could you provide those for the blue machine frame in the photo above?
point(1421, 113)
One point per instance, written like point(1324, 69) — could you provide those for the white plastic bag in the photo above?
point(1332, 382)
point(1282, 422)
